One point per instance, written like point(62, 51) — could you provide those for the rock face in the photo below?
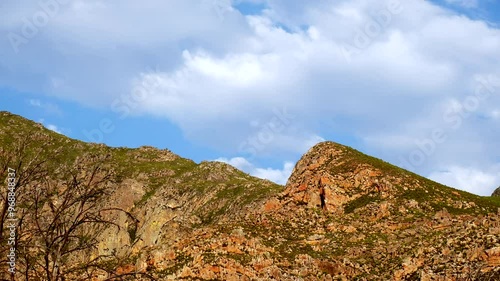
point(329, 176)
point(342, 215)
point(496, 193)
point(339, 179)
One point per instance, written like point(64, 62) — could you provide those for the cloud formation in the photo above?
point(279, 176)
point(471, 179)
point(465, 3)
point(384, 71)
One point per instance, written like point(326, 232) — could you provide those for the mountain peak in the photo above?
point(339, 179)
point(330, 175)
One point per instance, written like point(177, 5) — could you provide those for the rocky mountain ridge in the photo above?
point(342, 215)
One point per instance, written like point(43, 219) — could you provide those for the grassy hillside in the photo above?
point(343, 215)
point(228, 188)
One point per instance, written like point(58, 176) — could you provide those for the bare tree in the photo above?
point(65, 222)
point(61, 211)
point(25, 155)
point(66, 219)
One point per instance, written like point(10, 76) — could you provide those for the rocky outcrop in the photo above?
point(496, 193)
point(338, 179)
point(326, 178)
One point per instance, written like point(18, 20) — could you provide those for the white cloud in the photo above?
point(54, 128)
point(465, 3)
point(495, 114)
point(46, 106)
point(279, 176)
point(90, 50)
point(36, 103)
point(51, 127)
point(469, 179)
point(219, 73)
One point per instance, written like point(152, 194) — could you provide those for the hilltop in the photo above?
point(496, 193)
point(342, 215)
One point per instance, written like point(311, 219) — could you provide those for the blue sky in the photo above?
point(256, 83)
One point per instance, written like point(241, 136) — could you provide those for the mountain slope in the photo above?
point(339, 179)
point(168, 196)
point(343, 215)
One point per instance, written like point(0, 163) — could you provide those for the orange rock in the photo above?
point(494, 261)
point(125, 269)
point(207, 273)
point(171, 255)
point(314, 166)
point(346, 184)
point(233, 249)
point(476, 254)
point(186, 272)
point(325, 180)
point(272, 205)
point(258, 266)
point(493, 256)
point(214, 269)
point(238, 240)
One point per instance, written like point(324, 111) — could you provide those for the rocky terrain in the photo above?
point(496, 193)
point(342, 215)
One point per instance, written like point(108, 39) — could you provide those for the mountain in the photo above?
point(340, 179)
point(151, 214)
point(496, 193)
